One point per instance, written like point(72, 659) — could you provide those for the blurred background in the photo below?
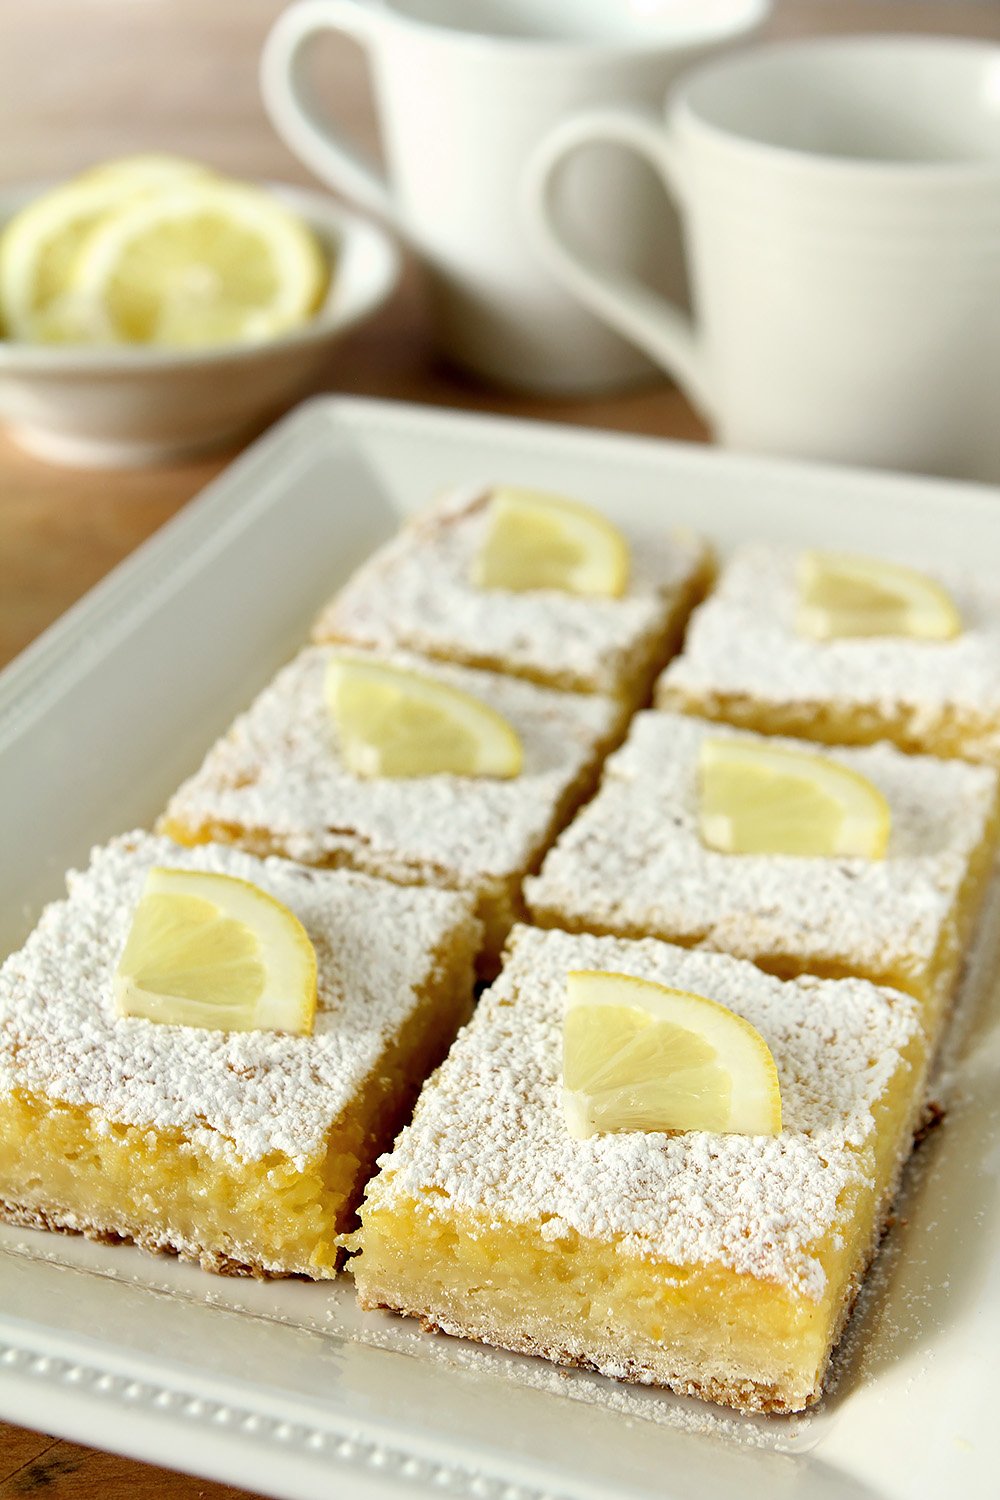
point(85, 80)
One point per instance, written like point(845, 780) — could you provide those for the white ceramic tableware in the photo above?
point(287, 1387)
point(841, 203)
point(121, 405)
point(464, 89)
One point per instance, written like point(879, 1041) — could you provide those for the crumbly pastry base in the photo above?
point(951, 733)
point(242, 1149)
point(59, 1221)
point(679, 1365)
point(721, 1266)
point(69, 1169)
point(746, 663)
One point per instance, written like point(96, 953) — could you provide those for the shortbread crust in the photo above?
point(722, 1266)
point(246, 1151)
point(633, 863)
point(743, 661)
point(276, 785)
point(416, 593)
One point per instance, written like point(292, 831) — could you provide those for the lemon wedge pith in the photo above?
point(535, 540)
point(843, 595)
point(766, 799)
point(640, 1056)
point(394, 722)
point(214, 951)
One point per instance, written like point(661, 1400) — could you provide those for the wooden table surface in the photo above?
point(81, 80)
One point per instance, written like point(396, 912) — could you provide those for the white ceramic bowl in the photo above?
point(132, 405)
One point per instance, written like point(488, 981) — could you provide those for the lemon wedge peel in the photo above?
point(535, 540)
point(40, 247)
point(841, 596)
point(638, 1055)
point(216, 952)
point(201, 263)
point(394, 722)
point(766, 799)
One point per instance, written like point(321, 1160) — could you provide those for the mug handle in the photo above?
point(294, 111)
point(635, 310)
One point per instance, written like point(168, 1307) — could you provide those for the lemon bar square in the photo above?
point(633, 863)
point(722, 1266)
point(743, 661)
point(245, 1151)
point(416, 593)
point(276, 785)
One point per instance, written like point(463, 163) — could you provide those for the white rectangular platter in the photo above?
point(285, 1387)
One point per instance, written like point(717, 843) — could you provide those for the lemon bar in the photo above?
point(245, 1151)
point(276, 784)
point(745, 662)
point(633, 863)
point(417, 593)
point(722, 1266)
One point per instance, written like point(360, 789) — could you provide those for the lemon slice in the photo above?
point(844, 595)
point(40, 247)
point(201, 262)
point(541, 541)
point(640, 1056)
point(214, 951)
point(762, 799)
point(393, 722)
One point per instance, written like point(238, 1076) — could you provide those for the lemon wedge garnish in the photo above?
point(844, 595)
point(214, 951)
point(394, 722)
point(541, 541)
point(763, 799)
point(201, 262)
point(40, 247)
point(640, 1056)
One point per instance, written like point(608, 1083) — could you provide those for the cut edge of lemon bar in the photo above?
point(645, 1257)
point(244, 1151)
point(744, 663)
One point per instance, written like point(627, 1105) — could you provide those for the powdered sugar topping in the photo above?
point(489, 1137)
point(633, 860)
point(278, 770)
point(247, 1093)
point(743, 640)
point(416, 592)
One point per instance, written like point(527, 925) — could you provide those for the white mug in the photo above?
point(841, 208)
point(464, 89)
